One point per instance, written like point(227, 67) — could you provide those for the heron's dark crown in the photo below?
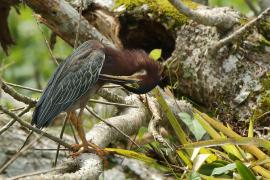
point(128, 62)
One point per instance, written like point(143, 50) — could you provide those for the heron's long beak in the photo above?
point(119, 79)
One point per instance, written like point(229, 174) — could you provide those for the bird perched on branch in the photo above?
point(82, 73)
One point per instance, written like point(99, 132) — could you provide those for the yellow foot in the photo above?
point(88, 148)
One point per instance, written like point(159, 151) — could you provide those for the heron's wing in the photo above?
point(71, 80)
point(63, 68)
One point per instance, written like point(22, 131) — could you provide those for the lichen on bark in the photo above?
point(159, 10)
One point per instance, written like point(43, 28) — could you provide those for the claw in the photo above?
point(88, 148)
point(76, 147)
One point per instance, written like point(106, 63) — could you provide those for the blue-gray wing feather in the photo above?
point(72, 79)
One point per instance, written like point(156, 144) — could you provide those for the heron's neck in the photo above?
point(125, 62)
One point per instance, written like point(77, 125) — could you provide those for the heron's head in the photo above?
point(149, 77)
point(135, 63)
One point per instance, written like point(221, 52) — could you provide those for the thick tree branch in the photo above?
point(16, 95)
point(223, 18)
point(238, 33)
point(129, 122)
point(62, 18)
point(10, 123)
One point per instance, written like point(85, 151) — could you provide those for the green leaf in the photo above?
point(194, 126)
point(244, 172)
point(194, 176)
point(224, 169)
point(207, 169)
point(155, 54)
point(233, 157)
point(132, 154)
point(141, 132)
point(224, 141)
point(199, 160)
point(180, 133)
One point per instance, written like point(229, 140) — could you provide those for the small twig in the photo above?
point(154, 122)
point(168, 164)
point(13, 158)
point(51, 149)
point(52, 40)
point(16, 109)
point(36, 130)
point(73, 132)
point(46, 41)
point(61, 136)
point(113, 104)
point(91, 100)
point(78, 26)
point(134, 139)
point(109, 124)
point(238, 33)
point(16, 95)
point(26, 140)
point(182, 8)
point(24, 87)
point(263, 115)
point(10, 123)
point(38, 172)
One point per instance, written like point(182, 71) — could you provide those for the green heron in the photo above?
point(79, 76)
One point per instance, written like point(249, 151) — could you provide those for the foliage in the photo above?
point(30, 56)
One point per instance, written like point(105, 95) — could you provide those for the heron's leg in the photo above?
point(74, 120)
point(82, 133)
point(77, 122)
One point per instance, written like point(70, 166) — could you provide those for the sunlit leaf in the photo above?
point(194, 176)
point(172, 119)
point(224, 169)
point(194, 126)
point(184, 157)
point(251, 127)
point(199, 160)
point(233, 157)
point(195, 153)
point(155, 54)
point(223, 141)
point(132, 154)
point(207, 169)
point(141, 132)
point(244, 172)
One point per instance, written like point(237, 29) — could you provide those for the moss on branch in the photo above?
point(156, 9)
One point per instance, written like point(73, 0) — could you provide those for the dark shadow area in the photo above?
point(147, 35)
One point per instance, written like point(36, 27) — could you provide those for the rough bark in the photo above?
point(232, 82)
point(63, 19)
